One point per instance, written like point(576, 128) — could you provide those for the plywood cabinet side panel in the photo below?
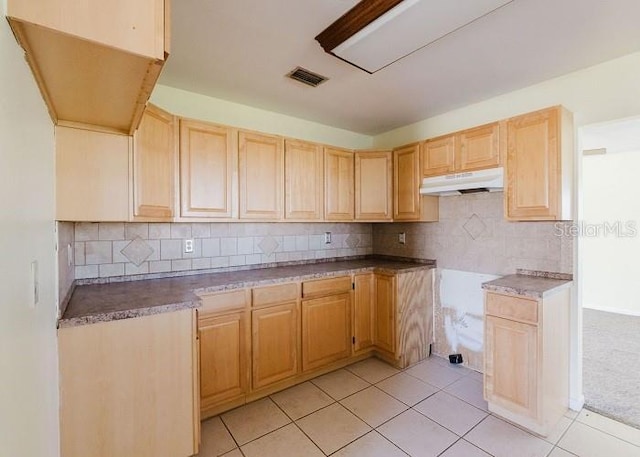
point(438, 156)
point(374, 186)
point(261, 176)
point(406, 183)
point(339, 184)
point(154, 165)
point(126, 387)
point(385, 293)
point(304, 180)
point(478, 148)
point(363, 312)
point(415, 315)
point(135, 27)
point(208, 159)
point(92, 175)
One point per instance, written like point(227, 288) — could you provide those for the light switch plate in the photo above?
point(402, 238)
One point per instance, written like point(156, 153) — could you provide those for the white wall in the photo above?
point(28, 347)
point(189, 104)
point(596, 94)
point(608, 262)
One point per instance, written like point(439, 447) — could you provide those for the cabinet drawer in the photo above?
point(511, 307)
point(275, 294)
point(321, 287)
point(223, 301)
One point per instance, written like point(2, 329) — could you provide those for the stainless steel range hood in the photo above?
point(491, 180)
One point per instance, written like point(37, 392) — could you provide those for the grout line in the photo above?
point(298, 427)
point(607, 433)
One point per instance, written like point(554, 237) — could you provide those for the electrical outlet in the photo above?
point(327, 237)
point(188, 246)
point(402, 238)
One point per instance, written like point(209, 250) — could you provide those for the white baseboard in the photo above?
point(576, 404)
point(626, 312)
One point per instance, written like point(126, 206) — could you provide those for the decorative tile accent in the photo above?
point(268, 245)
point(474, 226)
point(352, 240)
point(137, 251)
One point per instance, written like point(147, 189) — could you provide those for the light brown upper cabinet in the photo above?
point(539, 166)
point(408, 204)
point(117, 50)
point(438, 156)
point(304, 186)
point(92, 175)
point(338, 184)
point(472, 149)
point(478, 148)
point(154, 166)
point(374, 186)
point(261, 160)
point(208, 163)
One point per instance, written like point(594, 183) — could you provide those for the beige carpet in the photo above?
point(612, 365)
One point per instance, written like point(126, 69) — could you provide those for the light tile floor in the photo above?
point(370, 409)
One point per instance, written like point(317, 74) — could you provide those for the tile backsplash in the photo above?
point(108, 249)
point(472, 235)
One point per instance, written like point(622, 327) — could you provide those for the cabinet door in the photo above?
point(339, 185)
point(92, 175)
point(385, 312)
point(154, 164)
point(304, 186)
point(511, 365)
point(261, 176)
point(438, 156)
point(207, 163)
point(275, 343)
point(478, 148)
point(374, 187)
point(326, 330)
point(363, 312)
point(533, 166)
point(223, 358)
point(406, 183)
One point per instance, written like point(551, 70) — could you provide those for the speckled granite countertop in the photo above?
point(106, 302)
point(527, 283)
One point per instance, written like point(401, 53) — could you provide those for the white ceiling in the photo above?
point(240, 51)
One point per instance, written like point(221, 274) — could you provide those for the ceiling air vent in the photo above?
point(307, 77)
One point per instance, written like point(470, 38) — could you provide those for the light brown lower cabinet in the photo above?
point(275, 341)
point(326, 330)
point(129, 388)
point(254, 342)
point(526, 371)
point(225, 343)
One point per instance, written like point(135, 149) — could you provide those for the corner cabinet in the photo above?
point(154, 166)
point(526, 358)
point(374, 186)
point(117, 48)
point(408, 204)
point(539, 168)
point(121, 395)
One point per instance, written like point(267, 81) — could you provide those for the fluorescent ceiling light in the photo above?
point(399, 30)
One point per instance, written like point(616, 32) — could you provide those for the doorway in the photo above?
point(609, 255)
